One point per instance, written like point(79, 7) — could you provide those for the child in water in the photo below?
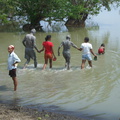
point(101, 49)
point(13, 60)
point(49, 52)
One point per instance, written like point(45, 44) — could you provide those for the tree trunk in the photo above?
point(77, 22)
point(35, 23)
point(28, 27)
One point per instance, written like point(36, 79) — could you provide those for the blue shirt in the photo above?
point(12, 58)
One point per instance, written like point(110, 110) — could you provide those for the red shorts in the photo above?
point(100, 51)
point(48, 56)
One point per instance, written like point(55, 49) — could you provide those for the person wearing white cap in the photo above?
point(29, 42)
point(13, 60)
point(66, 50)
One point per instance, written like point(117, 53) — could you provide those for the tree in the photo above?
point(80, 9)
point(6, 11)
point(37, 10)
point(76, 11)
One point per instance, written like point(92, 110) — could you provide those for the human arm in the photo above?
point(34, 43)
point(73, 45)
point(92, 52)
point(104, 49)
point(59, 49)
point(16, 60)
point(41, 50)
point(53, 53)
point(24, 41)
point(80, 49)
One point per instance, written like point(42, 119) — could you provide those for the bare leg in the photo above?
point(68, 63)
point(35, 63)
point(68, 66)
point(65, 63)
point(50, 62)
point(26, 63)
point(15, 82)
point(45, 64)
point(90, 63)
point(83, 64)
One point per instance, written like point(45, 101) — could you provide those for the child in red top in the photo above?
point(101, 49)
point(49, 52)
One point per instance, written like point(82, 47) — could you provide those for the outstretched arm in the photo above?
point(80, 49)
point(41, 50)
point(73, 45)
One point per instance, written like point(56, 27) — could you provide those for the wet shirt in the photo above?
point(86, 48)
point(29, 41)
point(48, 47)
point(12, 58)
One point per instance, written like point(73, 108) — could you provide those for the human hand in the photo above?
point(15, 64)
point(38, 51)
point(54, 59)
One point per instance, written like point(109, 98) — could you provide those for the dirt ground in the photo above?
point(20, 113)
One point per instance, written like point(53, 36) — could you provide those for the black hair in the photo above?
point(103, 44)
point(86, 39)
point(47, 37)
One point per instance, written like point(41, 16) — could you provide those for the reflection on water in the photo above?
point(92, 92)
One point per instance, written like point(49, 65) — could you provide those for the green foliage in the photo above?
point(5, 11)
point(36, 10)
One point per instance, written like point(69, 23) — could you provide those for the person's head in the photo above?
point(68, 37)
point(48, 37)
point(102, 45)
point(86, 39)
point(11, 48)
point(33, 31)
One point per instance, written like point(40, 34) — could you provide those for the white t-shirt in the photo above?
point(86, 48)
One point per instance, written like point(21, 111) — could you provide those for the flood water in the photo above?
point(91, 93)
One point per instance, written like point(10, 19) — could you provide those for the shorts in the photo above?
point(12, 73)
point(100, 51)
point(87, 57)
point(30, 53)
point(66, 55)
point(48, 56)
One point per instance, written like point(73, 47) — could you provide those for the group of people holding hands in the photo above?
point(30, 45)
